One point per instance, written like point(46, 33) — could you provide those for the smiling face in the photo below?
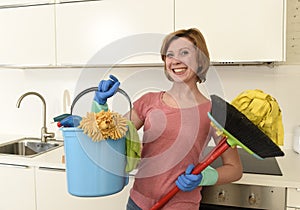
point(193, 40)
point(181, 60)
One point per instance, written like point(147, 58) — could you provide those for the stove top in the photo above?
point(252, 165)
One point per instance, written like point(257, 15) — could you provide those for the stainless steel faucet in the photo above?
point(44, 133)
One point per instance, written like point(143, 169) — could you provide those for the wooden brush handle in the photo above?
point(212, 156)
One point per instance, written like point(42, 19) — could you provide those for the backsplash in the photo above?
point(228, 81)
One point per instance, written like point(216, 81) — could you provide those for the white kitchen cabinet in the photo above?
point(112, 31)
point(51, 193)
point(27, 36)
point(17, 187)
point(237, 31)
point(293, 198)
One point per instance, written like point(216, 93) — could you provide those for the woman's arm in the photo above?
point(232, 169)
point(134, 118)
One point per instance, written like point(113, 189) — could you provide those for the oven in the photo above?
point(239, 196)
point(242, 196)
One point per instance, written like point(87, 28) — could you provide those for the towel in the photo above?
point(133, 147)
point(264, 111)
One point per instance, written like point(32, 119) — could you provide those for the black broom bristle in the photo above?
point(239, 126)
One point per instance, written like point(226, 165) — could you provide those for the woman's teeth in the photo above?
point(179, 70)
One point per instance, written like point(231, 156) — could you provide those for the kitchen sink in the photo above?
point(29, 147)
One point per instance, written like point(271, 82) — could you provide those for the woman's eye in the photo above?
point(169, 55)
point(185, 52)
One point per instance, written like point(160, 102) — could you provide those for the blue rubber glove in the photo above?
point(187, 181)
point(70, 121)
point(106, 89)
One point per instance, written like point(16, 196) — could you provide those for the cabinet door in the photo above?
point(293, 197)
point(117, 31)
point(236, 31)
point(51, 193)
point(27, 35)
point(17, 189)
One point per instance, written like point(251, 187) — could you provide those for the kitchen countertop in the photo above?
point(289, 165)
point(51, 159)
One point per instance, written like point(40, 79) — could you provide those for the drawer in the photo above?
point(293, 197)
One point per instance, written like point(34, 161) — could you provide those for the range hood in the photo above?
point(269, 63)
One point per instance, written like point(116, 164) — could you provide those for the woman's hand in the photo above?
point(188, 181)
point(106, 89)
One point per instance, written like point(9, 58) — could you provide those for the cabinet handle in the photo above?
point(52, 169)
point(13, 165)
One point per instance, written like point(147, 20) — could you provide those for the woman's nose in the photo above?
point(175, 60)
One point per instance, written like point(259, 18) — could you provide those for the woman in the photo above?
point(176, 129)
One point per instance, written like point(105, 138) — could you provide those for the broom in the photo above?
point(237, 130)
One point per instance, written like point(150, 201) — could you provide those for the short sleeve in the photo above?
point(143, 105)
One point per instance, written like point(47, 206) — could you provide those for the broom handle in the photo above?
point(213, 155)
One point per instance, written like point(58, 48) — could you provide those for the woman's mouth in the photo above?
point(179, 70)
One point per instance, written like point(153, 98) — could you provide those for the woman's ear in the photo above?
point(200, 74)
point(199, 69)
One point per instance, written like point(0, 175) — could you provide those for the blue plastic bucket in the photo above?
point(93, 168)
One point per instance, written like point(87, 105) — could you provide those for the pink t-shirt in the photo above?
point(173, 138)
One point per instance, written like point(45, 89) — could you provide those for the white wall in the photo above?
point(281, 82)
point(27, 120)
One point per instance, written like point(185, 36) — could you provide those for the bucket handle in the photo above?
point(96, 89)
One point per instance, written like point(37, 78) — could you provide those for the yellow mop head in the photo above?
point(104, 125)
